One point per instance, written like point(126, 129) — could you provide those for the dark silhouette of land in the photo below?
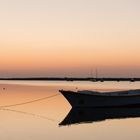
point(72, 79)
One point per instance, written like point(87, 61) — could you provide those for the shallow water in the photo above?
point(32, 110)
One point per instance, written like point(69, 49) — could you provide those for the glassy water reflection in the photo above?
point(35, 110)
point(88, 115)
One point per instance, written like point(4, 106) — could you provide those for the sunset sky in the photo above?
point(69, 38)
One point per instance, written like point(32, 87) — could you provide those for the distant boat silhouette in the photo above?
point(91, 115)
point(88, 98)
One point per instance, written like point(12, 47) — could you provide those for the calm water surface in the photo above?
point(33, 110)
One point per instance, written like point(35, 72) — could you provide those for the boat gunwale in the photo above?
point(99, 94)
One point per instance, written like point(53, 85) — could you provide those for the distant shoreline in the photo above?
point(72, 79)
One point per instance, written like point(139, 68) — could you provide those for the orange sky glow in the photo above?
point(69, 38)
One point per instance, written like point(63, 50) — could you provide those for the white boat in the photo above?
point(88, 98)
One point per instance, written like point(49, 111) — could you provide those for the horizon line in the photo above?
point(93, 79)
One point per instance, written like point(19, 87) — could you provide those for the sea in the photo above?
point(36, 110)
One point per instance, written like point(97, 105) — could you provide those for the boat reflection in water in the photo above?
point(88, 115)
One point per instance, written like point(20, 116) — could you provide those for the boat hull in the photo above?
point(88, 100)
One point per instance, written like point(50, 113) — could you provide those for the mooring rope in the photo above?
point(30, 114)
point(28, 102)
